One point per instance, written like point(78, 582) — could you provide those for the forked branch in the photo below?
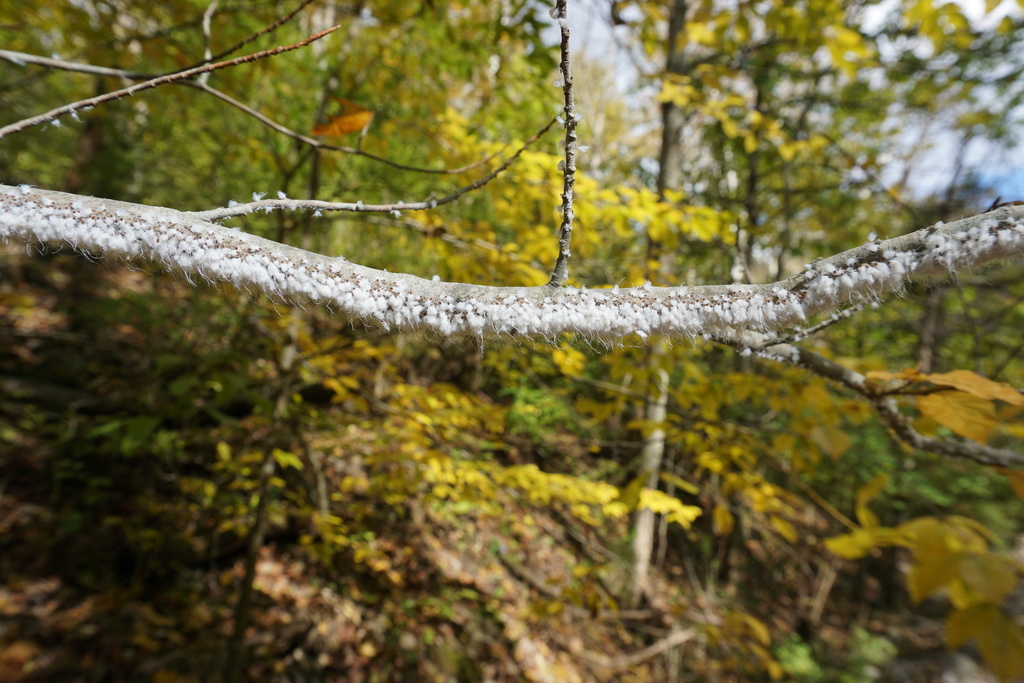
point(73, 107)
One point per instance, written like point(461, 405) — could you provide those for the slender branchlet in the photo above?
point(750, 342)
point(805, 332)
point(561, 272)
point(54, 114)
point(262, 32)
point(211, 9)
point(260, 204)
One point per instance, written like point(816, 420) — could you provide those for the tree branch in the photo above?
point(182, 242)
point(561, 272)
point(359, 207)
point(54, 114)
point(23, 58)
point(889, 411)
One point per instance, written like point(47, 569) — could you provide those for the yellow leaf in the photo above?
point(730, 128)
point(852, 546)
point(788, 150)
point(285, 459)
point(570, 361)
point(745, 624)
point(722, 520)
point(930, 576)
point(846, 38)
point(864, 496)
point(352, 119)
point(966, 414)
point(699, 33)
point(223, 451)
point(976, 385)
point(673, 508)
point(988, 577)
point(783, 528)
point(629, 495)
point(1000, 639)
point(831, 440)
point(679, 483)
point(867, 518)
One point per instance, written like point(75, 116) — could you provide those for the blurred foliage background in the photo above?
point(200, 484)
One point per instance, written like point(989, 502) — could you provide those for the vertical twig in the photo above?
point(561, 272)
point(208, 39)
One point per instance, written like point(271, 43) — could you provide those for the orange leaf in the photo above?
point(966, 414)
point(353, 118)
point(979, 386)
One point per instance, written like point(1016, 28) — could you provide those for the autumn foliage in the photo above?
point(203, 484)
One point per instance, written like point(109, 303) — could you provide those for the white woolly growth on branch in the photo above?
point(405, 302)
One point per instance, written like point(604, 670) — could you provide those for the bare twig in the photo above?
point(23, 58)
point(674, 639)
point(262, 32)
point(54, 114)
point(360, 207)
point(207, 37)
point(802, 334)
point(561, 272)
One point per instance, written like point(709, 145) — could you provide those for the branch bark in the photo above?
point(394, 301)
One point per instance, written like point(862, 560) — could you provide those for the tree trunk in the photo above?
point(653, 452)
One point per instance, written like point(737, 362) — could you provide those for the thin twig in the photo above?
point(262, 32)
point(360, 207)
point(561, 272)
point(800, 335)
point(622, 662)
point(23, 58)
point(208, 37)
point(54, 114)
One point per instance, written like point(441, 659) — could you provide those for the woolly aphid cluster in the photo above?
point(406, 302)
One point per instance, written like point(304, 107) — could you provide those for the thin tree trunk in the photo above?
point(243, 609)
point(653, 452)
